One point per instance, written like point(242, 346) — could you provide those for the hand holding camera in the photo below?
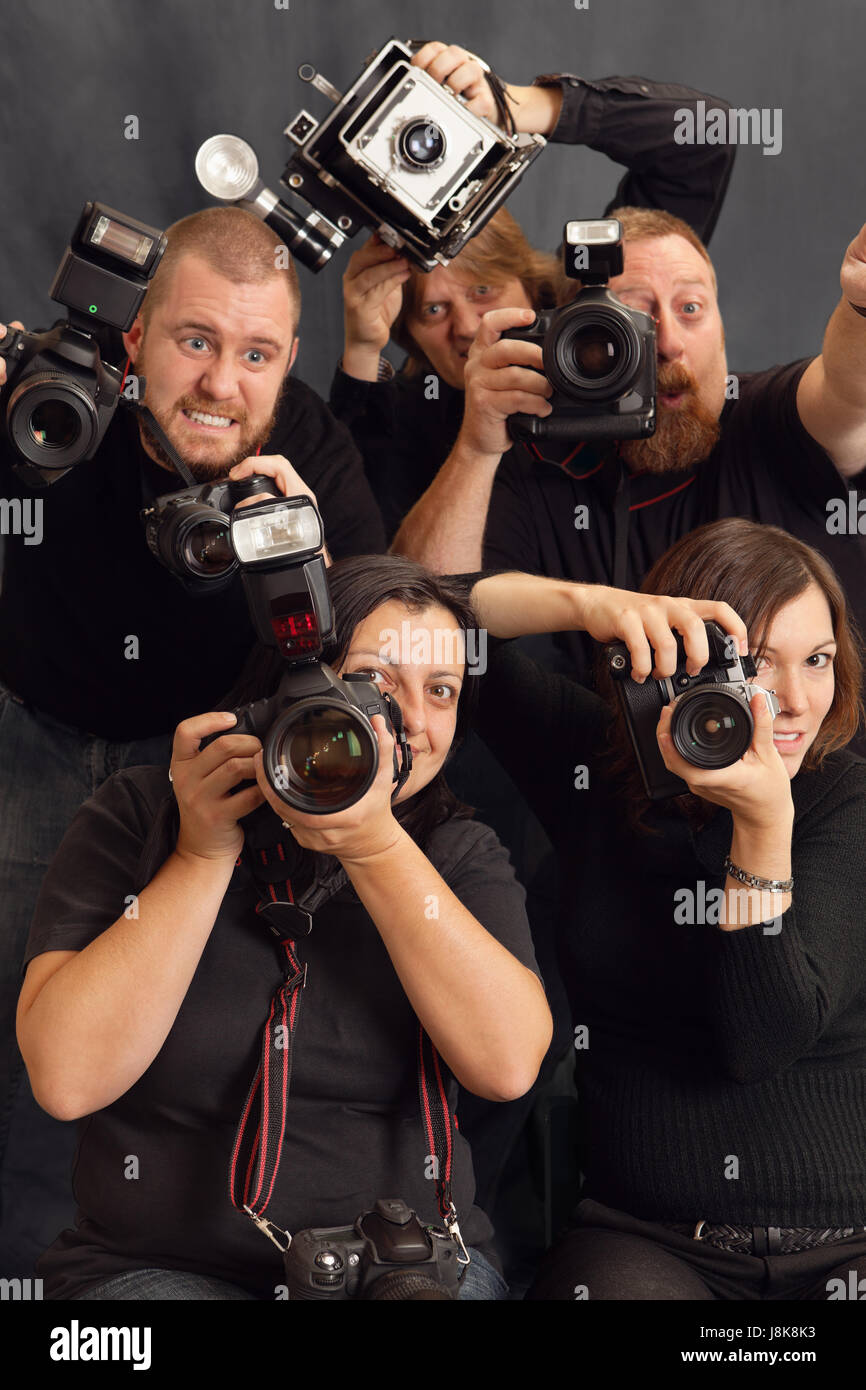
point(503, 375)
point(203, 780)
point(372, 296)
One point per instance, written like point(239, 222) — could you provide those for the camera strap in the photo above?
point(258, 1145)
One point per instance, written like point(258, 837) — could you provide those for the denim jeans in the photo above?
point(48, 770)
point(480, 1282)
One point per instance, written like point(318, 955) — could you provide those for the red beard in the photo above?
point(684, 435)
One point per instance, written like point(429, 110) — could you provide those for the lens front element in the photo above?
point(711, 727)
point(321, 755)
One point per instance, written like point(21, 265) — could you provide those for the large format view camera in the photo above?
point(400, 153)
point(60, 394)
point(711, 724)
point(599, 355)
point(320, 751)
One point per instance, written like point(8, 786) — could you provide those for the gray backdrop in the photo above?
point(72, 70)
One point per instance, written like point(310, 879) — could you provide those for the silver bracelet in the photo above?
point(768, 885)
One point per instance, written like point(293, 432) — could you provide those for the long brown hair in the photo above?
point(758, 570)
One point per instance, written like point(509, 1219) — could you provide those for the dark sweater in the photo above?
point(724, 1073)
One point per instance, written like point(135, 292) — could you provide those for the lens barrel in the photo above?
point(421, 144)
point(321, 755)
point(595, 354)
point(193, 539)
point(711, 727)
point(52, 420)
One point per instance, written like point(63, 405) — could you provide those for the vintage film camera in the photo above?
point(387, 1255)
point(599, 355)
point(711, 724)
point(60, 394)
point(320, 753)
point(400, 153)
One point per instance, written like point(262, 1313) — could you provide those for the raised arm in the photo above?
point(831, 397)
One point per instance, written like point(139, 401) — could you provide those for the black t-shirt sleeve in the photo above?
point(93, 876)
point(765, 423)
point(632, 121)
point(322, 451)
point(477, 869)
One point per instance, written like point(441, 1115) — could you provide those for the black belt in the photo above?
point(763, 1240)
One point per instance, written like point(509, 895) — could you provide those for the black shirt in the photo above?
point(403, 430)
point(354, 1132)
point(701, 1043)
point(95, 631)
point(765, 466)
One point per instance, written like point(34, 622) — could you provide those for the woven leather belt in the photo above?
point(763, 1240)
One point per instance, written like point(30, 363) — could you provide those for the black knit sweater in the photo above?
point(723, 1074)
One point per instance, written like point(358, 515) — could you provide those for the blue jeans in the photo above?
point(48, 770)
point(480, 1282)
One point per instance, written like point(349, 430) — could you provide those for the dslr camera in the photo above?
point(320, 753)
point(60, 394)
point(387, 1255)
point(711, 723)
point(599, 355)
point(400, 153)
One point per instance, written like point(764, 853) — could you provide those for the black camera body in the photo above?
point(711, 724)
point(320, 750)
point(60, 395)
point(400, 153)
point(386, 1255)
point(599, 355)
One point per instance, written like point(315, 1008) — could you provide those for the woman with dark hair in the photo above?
point(172, 920)
point(714, 951)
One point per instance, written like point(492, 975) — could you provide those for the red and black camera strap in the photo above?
point(258, 1145)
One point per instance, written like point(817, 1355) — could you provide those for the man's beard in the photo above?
point(204, 470)
point(684, 435)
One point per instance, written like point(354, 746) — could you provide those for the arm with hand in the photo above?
point(831, 397)
point(485, 1012)
point(90, 1022)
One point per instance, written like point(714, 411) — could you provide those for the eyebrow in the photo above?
point(259, 339)
point(678, 285)
point(828, 642)
point(396, 666)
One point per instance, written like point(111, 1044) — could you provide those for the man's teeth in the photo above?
point(221, 421)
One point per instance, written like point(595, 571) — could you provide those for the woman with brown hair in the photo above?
point(720, 1033)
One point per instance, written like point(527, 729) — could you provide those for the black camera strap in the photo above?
point(258, 1146)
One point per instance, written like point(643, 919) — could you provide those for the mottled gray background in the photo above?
point(71, 70)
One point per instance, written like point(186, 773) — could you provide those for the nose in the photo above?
point(790, 691)
point(412, 708)
point(669, 337)
point(220, 378)
point(465, 319)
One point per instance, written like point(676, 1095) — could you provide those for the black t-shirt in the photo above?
point(354, 1131)
point(697, 1043)
point(765, 466)
point(95, 631)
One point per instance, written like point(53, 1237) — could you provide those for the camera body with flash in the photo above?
point(320, 750)
point(60, 395)
point(385, 1256)
point(400, 153)
point(599, 355)
point(711, 724)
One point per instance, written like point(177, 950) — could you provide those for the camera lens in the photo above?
point(54, 425)
point(595, 353)
point(321, 756)
point(421, 144)
point(207, 548)
point(52, 420)
point(711, 727)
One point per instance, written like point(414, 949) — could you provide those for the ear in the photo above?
point(292, 355)
point(132, 339)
